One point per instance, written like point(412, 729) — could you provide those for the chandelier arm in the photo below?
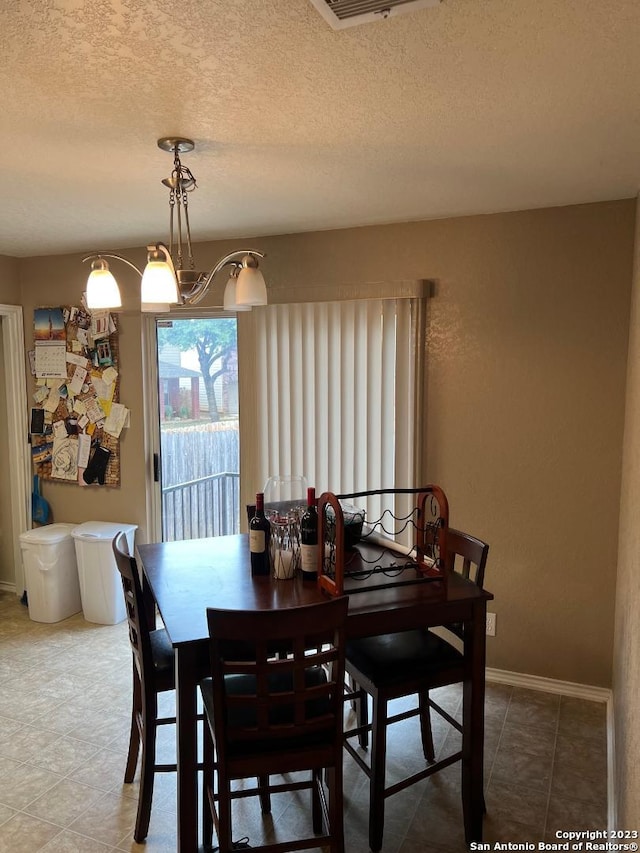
point(227, 259)
point(94, 256)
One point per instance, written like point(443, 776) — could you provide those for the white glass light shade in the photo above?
point(230, 303)
point(250, 289)
point(102, 290)
point(159, 285)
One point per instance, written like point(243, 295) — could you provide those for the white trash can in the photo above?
point(51, 572)
point(100, 584)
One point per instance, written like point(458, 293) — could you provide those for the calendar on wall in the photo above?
point(76, 416)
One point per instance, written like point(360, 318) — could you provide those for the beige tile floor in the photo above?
point(64, 719)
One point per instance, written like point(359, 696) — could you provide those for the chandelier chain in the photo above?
point(179, 233)
point(182, 181)
point(185, 204)
point(172, 204)
point(177, 191)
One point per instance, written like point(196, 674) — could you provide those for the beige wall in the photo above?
point(626, 670)
point(527, 347)
point(9, 281)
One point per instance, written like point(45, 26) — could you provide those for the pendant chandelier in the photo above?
point(170, 277)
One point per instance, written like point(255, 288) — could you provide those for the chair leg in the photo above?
point(134, 735)
point(377, 778)
point(265, 796)
point(362, 716)
point(336, 821)
point(316, 804)
point(207, 783)
point(147, 768)
point(224, 813)
point(351, 684)
point(425, 727)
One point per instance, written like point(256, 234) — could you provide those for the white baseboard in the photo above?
point(549, 685)
point(7, 587)
point(578, 691)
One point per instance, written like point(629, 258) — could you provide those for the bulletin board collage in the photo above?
point(76, 417)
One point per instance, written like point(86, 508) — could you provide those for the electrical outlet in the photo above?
point(491, 624)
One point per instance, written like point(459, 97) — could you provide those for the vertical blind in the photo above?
point(338, 394)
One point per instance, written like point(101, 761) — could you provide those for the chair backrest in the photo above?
point(466, 555)
point(288, 702)
point(137, 609)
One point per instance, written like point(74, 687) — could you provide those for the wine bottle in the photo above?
point(259, 535)
point(309, 538)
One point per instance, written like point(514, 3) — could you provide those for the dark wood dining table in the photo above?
point(187, 577)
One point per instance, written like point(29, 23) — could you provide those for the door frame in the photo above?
point(13, 349)
point(151, 425)
point(151, 408)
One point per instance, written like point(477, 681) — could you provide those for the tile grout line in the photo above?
point(553, 764)
point(504, 722)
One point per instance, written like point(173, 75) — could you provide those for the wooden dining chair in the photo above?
point(269, 715)
point(153, 673)
point(393, 666)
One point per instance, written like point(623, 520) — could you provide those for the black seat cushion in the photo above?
point(161, 651)
point(244, 717)
point(245, 685)
point(388, 659)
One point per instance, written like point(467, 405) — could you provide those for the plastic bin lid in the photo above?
point(47, 535)
point(105, 530)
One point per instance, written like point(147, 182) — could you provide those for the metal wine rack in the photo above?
point(377, 560)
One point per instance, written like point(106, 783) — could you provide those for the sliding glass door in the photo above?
point(199, 460)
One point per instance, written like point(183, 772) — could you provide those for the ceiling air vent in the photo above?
point(348, 13)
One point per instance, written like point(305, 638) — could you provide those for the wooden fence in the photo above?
point(200, 481)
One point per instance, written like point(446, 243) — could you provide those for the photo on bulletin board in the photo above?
point(49, 325)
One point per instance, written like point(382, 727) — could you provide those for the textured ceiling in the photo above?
point(473, 106)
